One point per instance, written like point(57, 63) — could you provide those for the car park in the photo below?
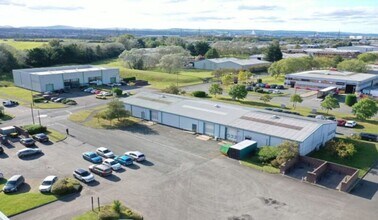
point(13, 184)
point(369, 137)
point(124, 160)
point(136, 155)
point(101, 170)
point(10, 103)
point(41, 137)
point(104, 152)
point(47, 183)
point(28, 152)
point(83, 175)
point(350, 124)
point(92, 157)
point(112, 164)
point(340, 122)
point(27, 142)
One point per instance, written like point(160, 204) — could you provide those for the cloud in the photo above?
point(258, 7)
point(208, 18)
point(271, 19)
point(9, 2)
point(60, 8)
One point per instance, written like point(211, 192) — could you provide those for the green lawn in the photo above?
point(126, 213)
point(11, 204)
point(22, 45)
point(270, 79)
point(256, 164)
point(157, 78)
point(24, 97)
point(55, 135)
point(367, 153)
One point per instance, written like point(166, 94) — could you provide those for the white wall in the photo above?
point(137, 112)
point(56, 79)
point(186, 124)
point(108, 73)
point(170, 119)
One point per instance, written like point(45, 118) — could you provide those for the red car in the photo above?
point(267, 86)
point(341, 122)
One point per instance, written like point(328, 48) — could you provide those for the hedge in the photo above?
point(117, 91)
point(39, 99)
point(268, 153)
point(66, 186)
point(199, 94)
point(34, 129)
point(108, 214)
point(350, 99)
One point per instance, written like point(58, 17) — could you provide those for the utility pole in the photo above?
point(32, 112)
point(39, 118)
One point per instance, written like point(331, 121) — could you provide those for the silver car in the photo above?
point(28, 151)
point(47, 184)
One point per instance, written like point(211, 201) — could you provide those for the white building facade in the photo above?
point(56, 78)
point(229, 63)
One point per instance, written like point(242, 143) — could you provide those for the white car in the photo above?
point(136, 155)
point(105, 93)
point(350, 124)
point(321, 117)
point(105, 152)
point(83, 175)
point(88, 89)
point(47, 184)
point(112, 163)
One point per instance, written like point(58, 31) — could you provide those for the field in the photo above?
point(159, 79)
point(21, 45)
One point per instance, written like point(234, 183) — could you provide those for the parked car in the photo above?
point(273, 86)
point(53, 98)
point(58, 100)
point(276, 91)
point(350, 124)
point(13, 184)
point(92, 157)
point(104, 93)
point(331, 118)
point(112, 164)
point(41, 137)
point(83, 175)
point(27, 142)
point(105, 152)
point(28, 152)
point(10, 103)
point(269, 109)
point(369, 137)
point(341, 122)
point(277, 110)
point(311, 116)
point(101, 170)
point(124, 160)
point(88, 89)
point(136, 155)
point(280, 87)
point(320, 117)
point(47, 183)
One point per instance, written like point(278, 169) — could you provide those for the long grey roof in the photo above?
point(296, 128)
point(242, 62)
point(336, 75)
point(61, 69)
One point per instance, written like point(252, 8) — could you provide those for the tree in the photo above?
point(337, 59)
point(227, 79)
point(212, 53)
point(353, 66)
point(350, 99)
point(340, 148)
point(295, 98)
point(238, 92)
point(243, 76)
point(117, 206)
point(273, 52)
point(368, 57)
point(287, 151)
point(266, 98)
point(330, 103)
point(201, 47)
point(172, 63)
point(117, 91)
point(292, 65)
point(365, 108)
point(116, 110)
point(191, 49)
point(215, 89)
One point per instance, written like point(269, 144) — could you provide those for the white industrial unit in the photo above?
point(230, 122)
point(55, 78)
point(229, 63)
point(350, 82)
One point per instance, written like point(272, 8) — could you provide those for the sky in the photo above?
point(360, 16)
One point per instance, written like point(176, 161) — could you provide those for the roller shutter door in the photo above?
point(209, 129)
point(231, 134)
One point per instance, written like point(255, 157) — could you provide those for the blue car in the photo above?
point(124, 160)
point(92, 157)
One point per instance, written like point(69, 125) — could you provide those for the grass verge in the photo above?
point(254, 163)
point(6, 117)
point(367, 153)
point(126, 213)
point(11, 204)
point(159, 79)
point(22, 45)
point(55, 135)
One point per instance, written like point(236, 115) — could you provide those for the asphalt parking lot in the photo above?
point(183, 178)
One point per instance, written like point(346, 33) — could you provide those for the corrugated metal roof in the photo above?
point(242, 62)
point(276, 124)
point(336, 75)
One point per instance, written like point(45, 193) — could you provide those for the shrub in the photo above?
point(172, 89)
point(34, 129)
point(117, 205)
point(108, 214)
point(199, 94)
point(267, 153)
point(39, 99)
point(259, 80)
point(260, 90)
point(350, 99)
point(66, 186)
point(341, 148)
point(117, 91)
point(69, 102)
point(287, 151)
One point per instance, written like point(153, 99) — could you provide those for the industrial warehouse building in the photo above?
point(230, 122)
point(349, 82)
point(230, 63)
point(55, 78)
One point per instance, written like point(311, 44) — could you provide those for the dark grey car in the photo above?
point(13, 184)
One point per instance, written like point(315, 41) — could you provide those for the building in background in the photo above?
point(349, 82)
point(231, 122)
point(230, 63)
point(65, 77)
point(360, 48)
